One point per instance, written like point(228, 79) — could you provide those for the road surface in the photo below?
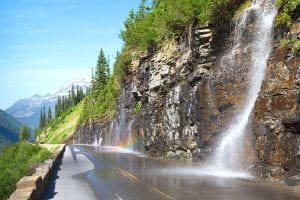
point(96, 173)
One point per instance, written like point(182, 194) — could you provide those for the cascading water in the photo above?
point(120, 130)
point(121, 121)
point(259, 19)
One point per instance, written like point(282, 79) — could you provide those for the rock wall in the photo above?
point(187, 100)
point(32, 187)
point(277, 115)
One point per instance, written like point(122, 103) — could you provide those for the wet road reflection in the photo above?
point(118, 175)
point(68, 180)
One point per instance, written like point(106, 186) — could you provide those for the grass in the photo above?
point(58, 131)
point(292, 43)
point(15, 162)
point(296, 46)
point(246, 4)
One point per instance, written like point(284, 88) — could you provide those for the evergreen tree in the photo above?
point(108, 67)
point(44, 117)
point(142, 11)
point(76, 98)
point(101, 73)
point(73, 96)
point(63, 104)
point(49, 115)
point(69, 98)
point(79, 94)
point(41, 120)
point(56, 110)
point(58, 107)
point(25, 133)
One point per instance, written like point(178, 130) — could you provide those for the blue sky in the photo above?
point(46, 43)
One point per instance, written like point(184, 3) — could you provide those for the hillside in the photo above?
point(61, 128)
point(9, 128)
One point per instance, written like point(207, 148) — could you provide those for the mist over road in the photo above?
point(97, 173)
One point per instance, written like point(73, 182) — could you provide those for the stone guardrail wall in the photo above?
point(32, 187)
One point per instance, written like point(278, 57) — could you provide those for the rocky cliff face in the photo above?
point(276, 116)
point(187, 100)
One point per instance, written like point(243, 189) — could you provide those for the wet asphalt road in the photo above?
point(94, 173)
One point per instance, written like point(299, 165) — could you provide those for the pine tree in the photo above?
point(79, 94)
point(108, 67)
point(56, 110)
point(44, 118)
point(49, 115)
point(25, 133)
point(63, 104)
point(58, 107)
point(73, 96)
point(41, 120)
point(101, 75)
point(142, 11)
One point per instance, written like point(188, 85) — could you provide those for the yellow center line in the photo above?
point(135, 179)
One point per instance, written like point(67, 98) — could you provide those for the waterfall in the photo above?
point(120, 130)
point(256, 47)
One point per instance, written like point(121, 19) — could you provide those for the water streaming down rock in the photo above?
point(121, 120)
point(120, 130)
point(253, 39)
point(117, 132)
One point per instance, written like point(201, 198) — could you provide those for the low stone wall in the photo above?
point(32, 187)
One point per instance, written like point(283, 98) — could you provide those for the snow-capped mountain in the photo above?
point(28, 110)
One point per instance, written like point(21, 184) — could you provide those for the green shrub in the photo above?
point(165, 19)
point(293, 44)
point(286, 9)
point(296, 46)
point(246, 4)
point(15, 162)
point(138, 107)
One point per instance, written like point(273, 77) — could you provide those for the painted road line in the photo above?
point(133, 178)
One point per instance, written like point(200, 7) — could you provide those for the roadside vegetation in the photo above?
point(16, 161)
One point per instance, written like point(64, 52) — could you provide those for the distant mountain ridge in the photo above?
point(9, 128)
point(28, 110)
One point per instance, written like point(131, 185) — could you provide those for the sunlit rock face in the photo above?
point(172, 84)
point(189, 95)
point(188, 99)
